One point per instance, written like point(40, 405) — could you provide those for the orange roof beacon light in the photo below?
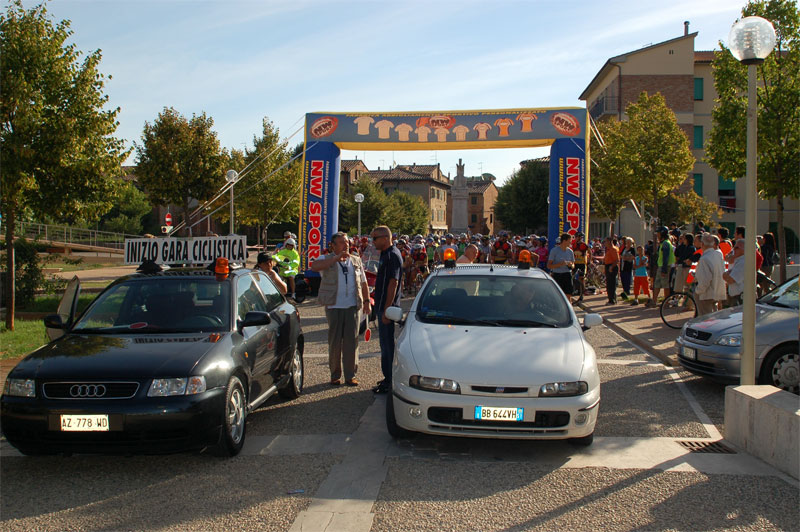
point(449, 258)
point(524, 261)
point(221, 266)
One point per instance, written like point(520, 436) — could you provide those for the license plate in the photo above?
point(491, 413)
point(688, 352)
point(84, 423)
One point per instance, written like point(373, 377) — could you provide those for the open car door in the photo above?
point(67, 309)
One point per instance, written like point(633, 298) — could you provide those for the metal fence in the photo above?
point(72, 235)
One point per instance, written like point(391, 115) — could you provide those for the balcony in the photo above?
point(604, 105)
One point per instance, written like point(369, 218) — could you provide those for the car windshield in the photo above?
point(159, 305)
point(785, 295)
point(493, 300)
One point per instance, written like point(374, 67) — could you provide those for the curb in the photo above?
point(647, 348)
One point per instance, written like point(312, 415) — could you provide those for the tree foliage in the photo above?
point(611, 175)
point(688, 208)
point(521, 204)
point(260, 198)
point(180, 160)
point(778, 104)
point(412, 214)
point(131, 205)
point(402, 212)
point(58, 155)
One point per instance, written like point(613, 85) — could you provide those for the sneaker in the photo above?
point(635, 302)
point(336, 382)
point(351, 382)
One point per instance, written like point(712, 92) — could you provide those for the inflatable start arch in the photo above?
point(326, 134)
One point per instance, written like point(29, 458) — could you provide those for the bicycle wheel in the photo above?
point(677, 309)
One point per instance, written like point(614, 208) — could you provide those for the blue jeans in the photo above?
point(386, 337)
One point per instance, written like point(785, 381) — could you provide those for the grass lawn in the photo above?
point(49, 303)
point(26, 336)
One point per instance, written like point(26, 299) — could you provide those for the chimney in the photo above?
point(685, 28)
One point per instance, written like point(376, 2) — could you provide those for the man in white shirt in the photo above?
point(735, 276)
point(708, 274)
point(344, 292)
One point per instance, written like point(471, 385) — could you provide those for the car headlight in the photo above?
point(179, 386)
point(730, 340)
point(20, 387)
point(434, 384)
point(563, 389)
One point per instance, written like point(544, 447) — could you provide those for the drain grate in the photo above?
point(707, 447)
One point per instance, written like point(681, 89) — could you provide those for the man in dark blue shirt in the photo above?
point(387, 294)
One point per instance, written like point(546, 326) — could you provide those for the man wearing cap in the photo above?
point(288, 262)
point(266, 262)
point(344, 292)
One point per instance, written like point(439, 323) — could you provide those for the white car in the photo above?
point(493, 352)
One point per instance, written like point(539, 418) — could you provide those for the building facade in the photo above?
point(481, 196)
point(685, 78)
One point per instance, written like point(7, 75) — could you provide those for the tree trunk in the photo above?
point(781, 241)
point(10, 288)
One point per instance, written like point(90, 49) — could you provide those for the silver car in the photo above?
point(709, 345)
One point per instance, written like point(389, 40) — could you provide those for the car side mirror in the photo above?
point(592, 320)
point(394, 314)
point(254, 318)
point(53, 321)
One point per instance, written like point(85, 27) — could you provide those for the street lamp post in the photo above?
point(751, 40)
point(359, 198)
point(231, 176)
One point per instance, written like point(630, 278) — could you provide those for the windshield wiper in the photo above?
point(526, 323)
point(456, 320)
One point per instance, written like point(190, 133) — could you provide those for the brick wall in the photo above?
point(678, 90)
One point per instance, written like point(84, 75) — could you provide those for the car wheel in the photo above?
point(782, 369)
point(395, 430)
point(584, 441)
point(294, 387)
point(234, 419)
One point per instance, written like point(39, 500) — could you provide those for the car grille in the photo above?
point(499, 389)
point(90, 390)
point(453, 416)
point(697, 335)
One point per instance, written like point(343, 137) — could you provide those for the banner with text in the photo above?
point(569, 202)
point(198, 250)
point(319, 216)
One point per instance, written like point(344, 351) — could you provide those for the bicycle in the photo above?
point(677, 309)
point(595, 276)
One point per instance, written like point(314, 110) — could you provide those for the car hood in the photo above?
point(502, 356)
point(106, 356)
point(729, 320)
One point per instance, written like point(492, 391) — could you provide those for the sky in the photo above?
point(243, 61)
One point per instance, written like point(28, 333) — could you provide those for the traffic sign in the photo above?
point(168, 219)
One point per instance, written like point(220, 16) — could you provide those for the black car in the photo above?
point(160, 361)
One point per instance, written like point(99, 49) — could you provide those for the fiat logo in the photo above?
point(87, 390)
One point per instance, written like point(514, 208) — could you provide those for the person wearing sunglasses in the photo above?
point(344, 292)
point(387, 293)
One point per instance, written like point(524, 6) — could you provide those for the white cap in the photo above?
point(291, 242)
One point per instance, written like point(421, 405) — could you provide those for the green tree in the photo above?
point(376, 209)
point(58, 155)
point(778, 103)
point(611, 175)
point(521, 204)
point(130, 207)
point(411, 214)
point(688, 208)
point(266, 200)
point(180, 160)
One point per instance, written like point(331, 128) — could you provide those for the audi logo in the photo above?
point(87, 390)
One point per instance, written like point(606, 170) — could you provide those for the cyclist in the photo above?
point(430, 250)
point(501, 250)
point(484, 249)
point(542, 252)
point(448, 244)
point(419, 259)
point(583, 254)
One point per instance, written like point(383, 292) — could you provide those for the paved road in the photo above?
point(332, 445)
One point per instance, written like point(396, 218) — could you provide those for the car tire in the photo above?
point(781, 368)
point(395, 430)
point(234, 419)
point(583, 441)
point(294, 387)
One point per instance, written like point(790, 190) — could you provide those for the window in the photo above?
point(698, 88)
point(698, 184)
point(474, 219)
point(726, 189)
point(271, 294)
point(698, 138)
point(248, 296)
point(474, 200)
